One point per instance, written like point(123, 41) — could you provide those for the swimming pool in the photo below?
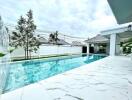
point(28, 72)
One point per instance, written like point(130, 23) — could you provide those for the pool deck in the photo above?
point(106, 79)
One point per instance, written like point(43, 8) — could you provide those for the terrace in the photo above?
point(50, 65)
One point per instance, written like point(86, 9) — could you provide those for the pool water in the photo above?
point(28, 72)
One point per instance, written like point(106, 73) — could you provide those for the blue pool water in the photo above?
point(28, 72)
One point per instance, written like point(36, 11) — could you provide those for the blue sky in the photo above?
point(84, 18)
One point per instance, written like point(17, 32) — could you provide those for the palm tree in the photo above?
point(53, 37)
point(56, 36)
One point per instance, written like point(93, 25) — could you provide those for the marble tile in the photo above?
point(34, 92)
point(14, 95)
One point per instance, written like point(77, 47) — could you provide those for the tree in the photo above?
point(24, 35)
point(127, 46)
point(53, 37)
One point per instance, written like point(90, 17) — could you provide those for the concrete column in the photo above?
point(108, 48)
point(112, 44)
point(87, 48)
point(118, 45)
point(95, 48)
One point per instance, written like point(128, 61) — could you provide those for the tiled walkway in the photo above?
point(106, 79)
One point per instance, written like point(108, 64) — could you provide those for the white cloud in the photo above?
point(75, 17)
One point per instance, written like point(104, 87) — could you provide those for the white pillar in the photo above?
point(107, 48)
point(117, 45)
point(95, 48)
point(112, 44)
point(87, 48)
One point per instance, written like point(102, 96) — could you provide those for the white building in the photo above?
point(98, 44)
point(116, 36)
point(122, 10)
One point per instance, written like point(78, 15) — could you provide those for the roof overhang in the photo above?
point(122, 10)
point(97, 39)
point(123, 32)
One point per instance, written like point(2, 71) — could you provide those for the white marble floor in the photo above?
point(106, 79)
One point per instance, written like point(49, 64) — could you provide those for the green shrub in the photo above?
point(2, 54)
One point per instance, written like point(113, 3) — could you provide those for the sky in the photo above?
point(83, 18)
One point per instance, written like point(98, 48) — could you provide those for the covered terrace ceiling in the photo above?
point(122, 10)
